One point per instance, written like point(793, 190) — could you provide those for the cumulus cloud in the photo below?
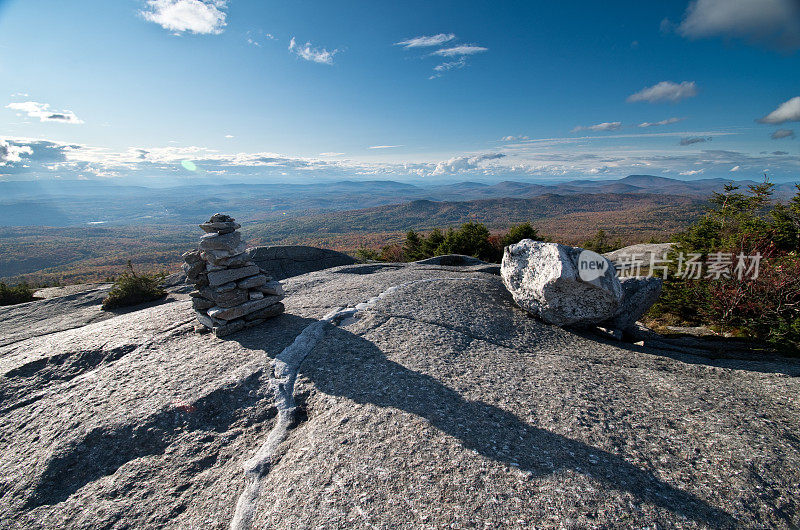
point(513, 138)
point(195, 16)
point(307, 52)
point(668, 121)
point(772, 23)
point(463, 163)
point(689, 140)
point(665, 91)
point(42, 111)
point(691, 172)
point(782, 133)
point(606, 126)
point(787, 111)
point(461, 49)
point(424, 41)
point(330, 153)
point(12, 153)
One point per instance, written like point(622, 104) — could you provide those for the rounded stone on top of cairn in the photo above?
point(231, 292)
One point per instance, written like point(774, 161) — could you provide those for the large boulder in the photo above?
point(561, 285)
point(638, 294)
point(286, 261)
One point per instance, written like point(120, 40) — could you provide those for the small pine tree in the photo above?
point(412, 248)
point(431, 244)
point(519, 232)
point(601, 243)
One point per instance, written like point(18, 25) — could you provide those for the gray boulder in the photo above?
point(562, 285)
point(283, 262)
point(638, 294)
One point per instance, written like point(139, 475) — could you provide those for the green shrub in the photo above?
point(765, 308)
point(519, 232)
point(471, 239)
point(365, 255)
point(17, 294)
point(131, 289)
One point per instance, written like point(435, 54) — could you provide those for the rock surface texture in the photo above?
point(638, 294)
point(413, 407)
point(545, 279)
point(229, 287)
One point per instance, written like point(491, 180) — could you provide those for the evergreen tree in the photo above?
point(519, 232)
point(412, 248)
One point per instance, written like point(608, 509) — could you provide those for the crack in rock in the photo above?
point(284, 374)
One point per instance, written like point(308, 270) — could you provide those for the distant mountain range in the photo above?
point(75, 203)
point(95, 252)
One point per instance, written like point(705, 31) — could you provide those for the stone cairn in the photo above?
point(231, 291)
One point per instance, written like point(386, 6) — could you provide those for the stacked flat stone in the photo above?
point(231, 291)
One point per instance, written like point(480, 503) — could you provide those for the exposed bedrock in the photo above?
point(435, 402)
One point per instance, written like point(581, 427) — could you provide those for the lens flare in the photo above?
point(188, 164)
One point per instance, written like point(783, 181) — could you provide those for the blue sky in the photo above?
point(239, 90)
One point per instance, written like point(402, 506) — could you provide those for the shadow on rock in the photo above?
point(102, 450)
point(349, 366)
point(760, 363)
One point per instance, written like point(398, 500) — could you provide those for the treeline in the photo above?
point(470, 239)
point(16, 294)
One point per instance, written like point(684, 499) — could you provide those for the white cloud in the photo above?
point(440, 69)
point(787, 111)
point(566, 157)
point(463, 163)
point(330, 154)
point(773, 23)
point(691, 172)
point(384, 146)
point(782, 133)
point(665, 91)
point(668, 121)
point(461, 49)
point(253, 36)
point(513, 138)
point(605, 126)
point(195, 16)
point(316, 55)
point(451, 65)
point(42, 111)
point(735, 168)
point(12, 153)
point(228, 136)
point(423, 41)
